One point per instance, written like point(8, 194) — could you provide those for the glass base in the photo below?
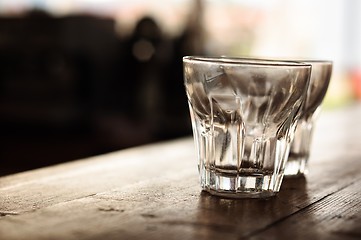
point(296, 167)
point(240, 186)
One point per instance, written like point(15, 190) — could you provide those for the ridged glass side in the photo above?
point(301, 145)
point(234, 160)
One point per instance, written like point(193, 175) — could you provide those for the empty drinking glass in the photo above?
point(244, 114)
point(300, 147)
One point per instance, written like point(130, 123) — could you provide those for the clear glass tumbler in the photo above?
point(243, 114)
point(301, 144)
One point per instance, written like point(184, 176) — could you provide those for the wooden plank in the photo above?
point(161, 207)
point(101, 218)
point(336, 216)
point(44, 187)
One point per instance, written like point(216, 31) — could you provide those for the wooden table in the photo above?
point(152, 192)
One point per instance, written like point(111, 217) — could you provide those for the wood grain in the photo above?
point(44, 187)
point(152, 192)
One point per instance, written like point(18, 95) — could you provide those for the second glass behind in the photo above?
point(243, 115)
point(301, 145)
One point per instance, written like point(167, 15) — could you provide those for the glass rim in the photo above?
point(300, 59)
point(316, 61)
point(247, 61)
point(294, 59)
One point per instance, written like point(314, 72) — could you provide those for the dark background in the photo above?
point(71, 87)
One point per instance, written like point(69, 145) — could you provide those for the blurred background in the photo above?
point(84, 77)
